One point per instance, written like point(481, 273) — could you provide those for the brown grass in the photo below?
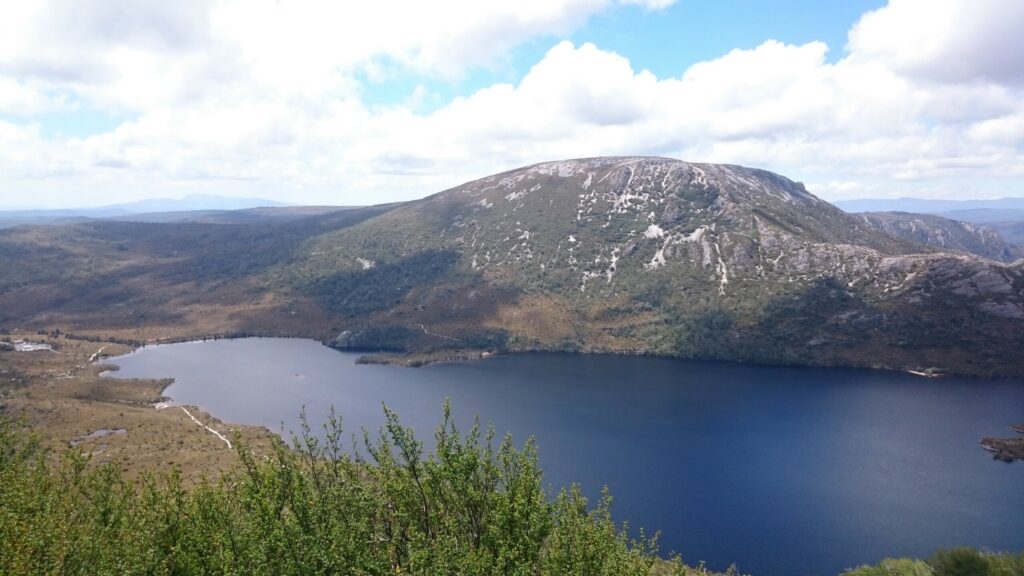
point(63, 397)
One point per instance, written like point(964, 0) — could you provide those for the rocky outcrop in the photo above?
point(629, 255)
point(661, 256)
point(945, 234)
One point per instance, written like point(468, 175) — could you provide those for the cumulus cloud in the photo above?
point(945, 40)
point(266, 97)
point(151, 53)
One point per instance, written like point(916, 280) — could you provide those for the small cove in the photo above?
point(782, 470)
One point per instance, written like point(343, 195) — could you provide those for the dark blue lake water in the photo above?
point(784, 471)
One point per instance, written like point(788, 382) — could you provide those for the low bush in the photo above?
point(472, 506)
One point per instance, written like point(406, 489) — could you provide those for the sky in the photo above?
point(356, 103)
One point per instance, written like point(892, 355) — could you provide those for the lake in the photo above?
point(784, 471)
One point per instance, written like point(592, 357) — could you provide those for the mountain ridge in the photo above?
point(134, 210)
point(946, 234)
point(929, 206)
point(614, 254)
point(668, 257)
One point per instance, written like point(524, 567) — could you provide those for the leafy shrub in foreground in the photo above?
point(469, 507)
point(955, 562)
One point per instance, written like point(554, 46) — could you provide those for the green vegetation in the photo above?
point(352, 292)
point(469, 507)
point(956, 562)
point(472, 506)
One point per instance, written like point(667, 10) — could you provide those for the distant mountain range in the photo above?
point(951, 235)
point(1005, 215)
point(925, 206)
point(190, 203)
point(628, 255)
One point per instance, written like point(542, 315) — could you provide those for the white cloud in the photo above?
point(263, 97)
point(152, 53)
point(19, 98)
point(651, 4)
point(946, 40)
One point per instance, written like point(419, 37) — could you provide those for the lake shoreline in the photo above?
point(1006, 449)
point(70, 395)
point(417, 359)
point(414, 359)
point(648, 421)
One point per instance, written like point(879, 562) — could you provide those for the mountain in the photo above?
point(659, 256)
point(1005, 216)
point(239, 216)
point(1009, 223)
point(132, 210)
point(194, 202)
point(38, 217)
point(946, 234)
point(985, 215)
point(1012, 231)
point(628, 255)
point(922, 205)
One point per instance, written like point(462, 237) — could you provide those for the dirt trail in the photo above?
point(429, 333)
point(208, 429)
point(96, 356)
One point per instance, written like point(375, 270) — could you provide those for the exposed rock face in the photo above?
point(945, 234)
point(343, 340)
point(658, 255)
point(635, 255)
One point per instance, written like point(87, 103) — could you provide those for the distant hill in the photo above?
point(1004, 215)
point(190, 203)
point(243, 216)
point(985, 215)
point(34, 217)
point(1012, 231)
point(194, 202)
point(925, 206)
point(946, 234)
point(628, 255)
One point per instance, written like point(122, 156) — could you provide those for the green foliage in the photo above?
point(705, 334)
point(95, 265)
point(955, 562)
point(588, 542)
point(352, 292)
point(484, 338)
point(960, 562)
point(894, 567)
point(472, 506)
point(1006, 564)
point(382, 336)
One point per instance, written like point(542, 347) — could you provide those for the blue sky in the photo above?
point(666, 42)
point(318, 102)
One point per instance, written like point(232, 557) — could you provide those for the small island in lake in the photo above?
point(1007, 449)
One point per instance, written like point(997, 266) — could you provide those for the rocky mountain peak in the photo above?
point(644, 255)
point(659, 255)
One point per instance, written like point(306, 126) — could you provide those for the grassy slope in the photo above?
point(526, 261)
point(553, 257)
point(143, 280)
point(61, 395)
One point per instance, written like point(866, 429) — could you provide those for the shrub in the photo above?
point(960, 562)
point(472, 506)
